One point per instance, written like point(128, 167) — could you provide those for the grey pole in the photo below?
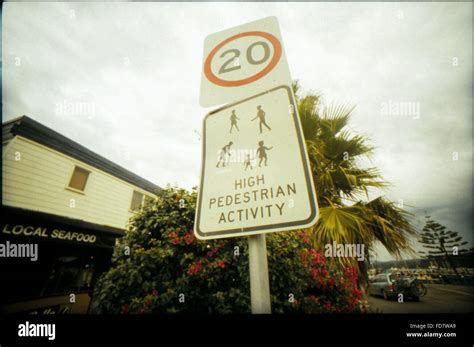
point(258, 266)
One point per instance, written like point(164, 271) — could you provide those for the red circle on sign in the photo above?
point(225, 83)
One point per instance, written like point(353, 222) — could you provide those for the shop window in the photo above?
point(79, 178)
point(137, 199)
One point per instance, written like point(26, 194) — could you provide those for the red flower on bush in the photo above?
point(194, 268)
point(189, 237)
point(351, 273)
point(175, 239)
point(125, 308)
point(173, 235)
point(317, 258)
point(323, 279)
point(304, 237)
point(220, 263)
point(314, 272)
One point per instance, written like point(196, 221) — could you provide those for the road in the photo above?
point(439, 299)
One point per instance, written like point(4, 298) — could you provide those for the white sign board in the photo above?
point(243, 61)
point(255, 174)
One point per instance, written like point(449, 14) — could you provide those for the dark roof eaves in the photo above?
point(35, 131)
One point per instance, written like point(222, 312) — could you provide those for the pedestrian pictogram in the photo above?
point(262, 153)
point(233, 121)
point(261, 117)
point(248, 163)
point(224, 154)
point(262, 181)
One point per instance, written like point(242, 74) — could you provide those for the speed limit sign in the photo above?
point(243, 61)
point(245, 68)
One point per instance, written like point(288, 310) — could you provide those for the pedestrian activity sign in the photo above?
point(255, 174)
point(243, 61)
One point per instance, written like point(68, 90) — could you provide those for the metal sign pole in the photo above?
point(259, 283)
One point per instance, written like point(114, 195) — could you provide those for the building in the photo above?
point(69, 201)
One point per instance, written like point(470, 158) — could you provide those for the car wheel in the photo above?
point(384, 294)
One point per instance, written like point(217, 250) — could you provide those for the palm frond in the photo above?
point(336, 117)
point(334, 154)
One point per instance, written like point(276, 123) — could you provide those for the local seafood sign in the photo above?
point(45, 232)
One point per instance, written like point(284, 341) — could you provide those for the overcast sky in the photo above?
point(123, 80)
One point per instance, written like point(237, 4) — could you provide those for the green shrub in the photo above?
point(167, 261)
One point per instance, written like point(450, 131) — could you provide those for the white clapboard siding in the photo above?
point(39, 181)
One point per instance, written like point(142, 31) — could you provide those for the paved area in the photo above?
point(439, 299)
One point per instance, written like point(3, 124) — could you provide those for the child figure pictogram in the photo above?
point(262, 153)
point(248, 163)
point(261, 116)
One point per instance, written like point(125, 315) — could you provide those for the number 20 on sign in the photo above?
point(243, 61)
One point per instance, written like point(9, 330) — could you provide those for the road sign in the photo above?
point(243, 61)
point(255, 174)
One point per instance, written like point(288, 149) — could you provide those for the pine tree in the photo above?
point(441, 242)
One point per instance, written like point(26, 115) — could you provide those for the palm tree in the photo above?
point(346, 213)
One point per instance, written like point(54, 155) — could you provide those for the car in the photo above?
point(381, 284)
point(389, 285)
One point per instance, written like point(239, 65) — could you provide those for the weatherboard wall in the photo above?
point(39, 181)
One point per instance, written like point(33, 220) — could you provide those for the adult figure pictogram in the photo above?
point(224, 153)
point(261, 117)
